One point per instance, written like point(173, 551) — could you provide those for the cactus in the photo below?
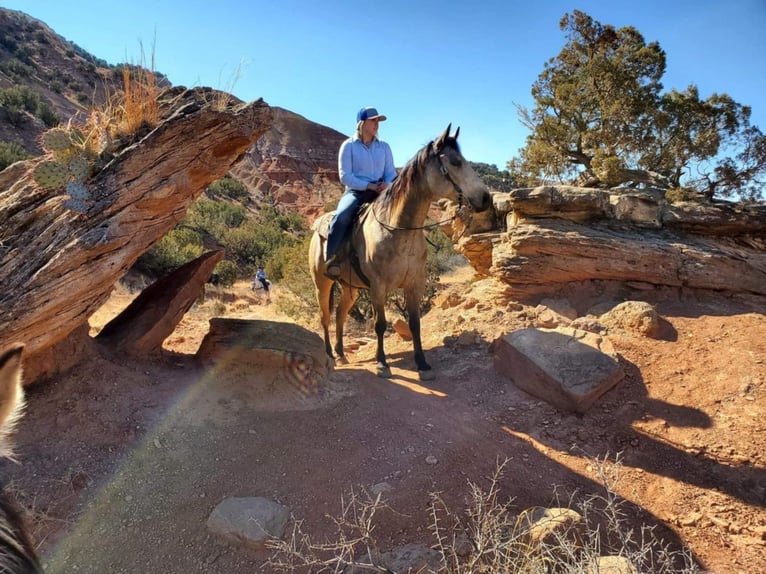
point(80, 168)
point(77, 205)
point(50, 174)
point(56, 139)
point(77, 190)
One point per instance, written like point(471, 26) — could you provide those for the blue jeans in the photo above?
point(343, 221)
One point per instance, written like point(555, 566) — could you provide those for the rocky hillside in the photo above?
point(293, 165)
point(66, 79)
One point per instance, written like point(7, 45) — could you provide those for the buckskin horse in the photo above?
point(17, 554)
point(387, 247)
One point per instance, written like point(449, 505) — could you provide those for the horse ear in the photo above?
point(457, 133)
point(444, 135)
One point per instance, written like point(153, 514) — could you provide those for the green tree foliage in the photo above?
point(229, 187)
point(11, 152)
point(600, 119)
point(493, 177)
point(249, 238)
point(178, 246)
point(227, 272)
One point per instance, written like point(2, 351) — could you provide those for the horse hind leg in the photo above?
point(347, 300)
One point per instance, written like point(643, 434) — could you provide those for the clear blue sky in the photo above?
point(424, 63)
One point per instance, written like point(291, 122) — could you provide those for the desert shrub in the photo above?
point(285, 221)
point(227, 272)
point(679, 194)
point(256, 242)
point(178, 246)
point(18, 99)
point(214, 217)
point(46, 114)
point(16, 69)
point(489, 536)
point(229, 187)
point(289, 265)
point(11, 152)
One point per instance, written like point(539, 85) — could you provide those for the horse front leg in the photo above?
point(347, 300)
point(379, 314)
point(413, 314)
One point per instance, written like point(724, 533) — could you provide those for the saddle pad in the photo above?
point(322, 224)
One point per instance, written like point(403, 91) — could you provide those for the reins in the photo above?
point(460, 203)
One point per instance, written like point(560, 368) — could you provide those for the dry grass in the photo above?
point(139, 107)
point(490, 537)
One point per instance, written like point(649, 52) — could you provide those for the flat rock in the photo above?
point(565, 367)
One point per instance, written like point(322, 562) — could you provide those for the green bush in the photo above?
point(178, 246)
point(229, 187)
point(11, 152)
point(227, 272)
point(215, 217)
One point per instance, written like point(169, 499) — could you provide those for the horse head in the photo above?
point(453, 177)
point(17, 552)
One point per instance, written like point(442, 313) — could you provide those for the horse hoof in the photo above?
point(383, 371)
point(427, 375)
point(341, 360)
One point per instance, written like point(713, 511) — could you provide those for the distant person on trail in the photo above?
point(260, 275)
point(366, 167)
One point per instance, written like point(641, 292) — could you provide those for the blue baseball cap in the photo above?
point(369, 113)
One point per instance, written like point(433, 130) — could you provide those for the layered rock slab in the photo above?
point(565, 367)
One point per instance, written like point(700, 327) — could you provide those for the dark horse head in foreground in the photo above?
point(17, 555)
point(390, 244)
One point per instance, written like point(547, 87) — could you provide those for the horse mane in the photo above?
point(412, 171)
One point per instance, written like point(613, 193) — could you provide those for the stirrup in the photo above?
point(333, 271)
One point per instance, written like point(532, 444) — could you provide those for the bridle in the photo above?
point(460, 200)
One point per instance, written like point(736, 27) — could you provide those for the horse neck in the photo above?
point(411, 209)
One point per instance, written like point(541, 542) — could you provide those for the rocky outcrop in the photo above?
point(57, 266)
point(554, 236)
point(152, 316)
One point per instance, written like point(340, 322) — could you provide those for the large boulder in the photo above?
point(238, 350)
point(152, 316)
point(565, 367)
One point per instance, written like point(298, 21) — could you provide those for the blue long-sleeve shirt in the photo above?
point(359, 164)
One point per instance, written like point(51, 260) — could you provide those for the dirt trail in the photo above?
point(121, 464)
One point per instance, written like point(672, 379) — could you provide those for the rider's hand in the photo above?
point(377, 186)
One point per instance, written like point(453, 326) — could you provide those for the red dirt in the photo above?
point(122, 461)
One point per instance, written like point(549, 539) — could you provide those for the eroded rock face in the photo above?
point(295, 164)
point(559, 235)
point(57, 266)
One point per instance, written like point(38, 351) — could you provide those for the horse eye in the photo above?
point(456, 161)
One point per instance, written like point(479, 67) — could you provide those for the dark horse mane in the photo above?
point(17, 554)
point(411, 171)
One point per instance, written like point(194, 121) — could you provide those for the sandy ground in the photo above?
point(122, 462)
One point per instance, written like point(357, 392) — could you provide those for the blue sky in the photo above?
point(422, 63)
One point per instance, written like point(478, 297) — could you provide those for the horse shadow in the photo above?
point(473, 441)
